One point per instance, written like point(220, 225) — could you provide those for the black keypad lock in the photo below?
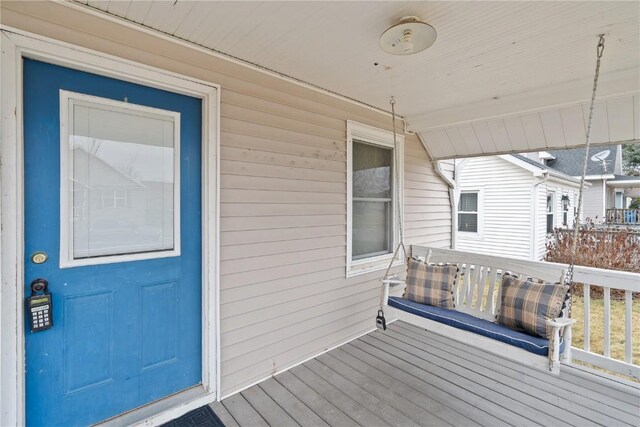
point(40, 306)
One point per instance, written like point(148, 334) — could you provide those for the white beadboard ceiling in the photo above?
point(515, 73)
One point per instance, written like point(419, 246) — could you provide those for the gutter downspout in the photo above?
point(545, 178)
point(437, 167)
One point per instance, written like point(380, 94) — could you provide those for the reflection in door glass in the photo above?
point(123, 180)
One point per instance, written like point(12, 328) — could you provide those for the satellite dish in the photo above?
point(599, 157)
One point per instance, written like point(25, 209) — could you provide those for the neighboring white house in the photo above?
point(506, 205)
point(609, 189)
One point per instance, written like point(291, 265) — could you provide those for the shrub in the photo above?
point(607, 247)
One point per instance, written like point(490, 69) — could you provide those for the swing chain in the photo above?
point(392, 101)
point(396, 253)
point(576, 222)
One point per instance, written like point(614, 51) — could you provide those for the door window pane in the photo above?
point(123, 182)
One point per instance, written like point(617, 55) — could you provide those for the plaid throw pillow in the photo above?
point(526, 305)
point(430, 284)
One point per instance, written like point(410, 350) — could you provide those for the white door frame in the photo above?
point(17, 44)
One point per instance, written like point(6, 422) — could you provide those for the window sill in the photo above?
point(369, 265)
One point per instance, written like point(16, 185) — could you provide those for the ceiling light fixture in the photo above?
point(408, 36)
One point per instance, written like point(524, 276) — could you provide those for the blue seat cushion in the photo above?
point(473, 324)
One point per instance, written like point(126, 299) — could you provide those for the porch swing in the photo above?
point(471, 297)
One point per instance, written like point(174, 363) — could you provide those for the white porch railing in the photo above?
point(608, 280)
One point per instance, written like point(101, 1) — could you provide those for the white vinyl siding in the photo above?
point(506, 200)
point(593, 201)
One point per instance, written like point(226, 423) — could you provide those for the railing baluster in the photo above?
point(587, 314)
point(628, 325)
point(607, 322)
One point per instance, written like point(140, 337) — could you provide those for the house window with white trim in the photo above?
point(373, 198)
point(468, 212)
point(550, 222)
point(565, 210)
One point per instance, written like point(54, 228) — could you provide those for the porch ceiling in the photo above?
point(490, 59)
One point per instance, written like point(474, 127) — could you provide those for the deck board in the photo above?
point(290, 403)
point(272, 413)
point(540, 407)
point(409, 376)
point(224, 415)
point(550, 388)
point(326, 410)
point(569, 385)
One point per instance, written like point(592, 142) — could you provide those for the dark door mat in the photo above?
point(204, 417)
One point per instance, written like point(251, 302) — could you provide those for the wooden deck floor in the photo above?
point(408, 376)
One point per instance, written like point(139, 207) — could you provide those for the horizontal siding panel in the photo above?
point(255, 262)
point(274, 146)
point(281, 347)
point(293, 221)
point(432, 223)
point(426, 216)
point(230, 167)
point(274, 108)
point(282, 184)
point(424, 185)
point(415, 176)
point(439, 208)
point(312, 305)
point(242, 293)
point(436, 198)
point(265, 157)
point(271, 120)
point(275, 209)
point(288, 246)
point(261, 236)
point(287, 327)
point(410, 193)
point(285, 299)
point(431, 236)
point(262, 196)
point(230, 126)
point(251, 90)
point(335, 333)
point(273, 273)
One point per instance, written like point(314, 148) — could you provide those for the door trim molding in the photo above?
point(17, 44)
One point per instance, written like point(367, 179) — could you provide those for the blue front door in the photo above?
point(112, 178)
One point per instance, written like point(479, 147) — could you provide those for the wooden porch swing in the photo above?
point(477, 290)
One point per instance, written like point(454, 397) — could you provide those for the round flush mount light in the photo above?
point(408, 36)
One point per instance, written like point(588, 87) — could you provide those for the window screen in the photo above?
point(372, 213)
point(468, 212)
